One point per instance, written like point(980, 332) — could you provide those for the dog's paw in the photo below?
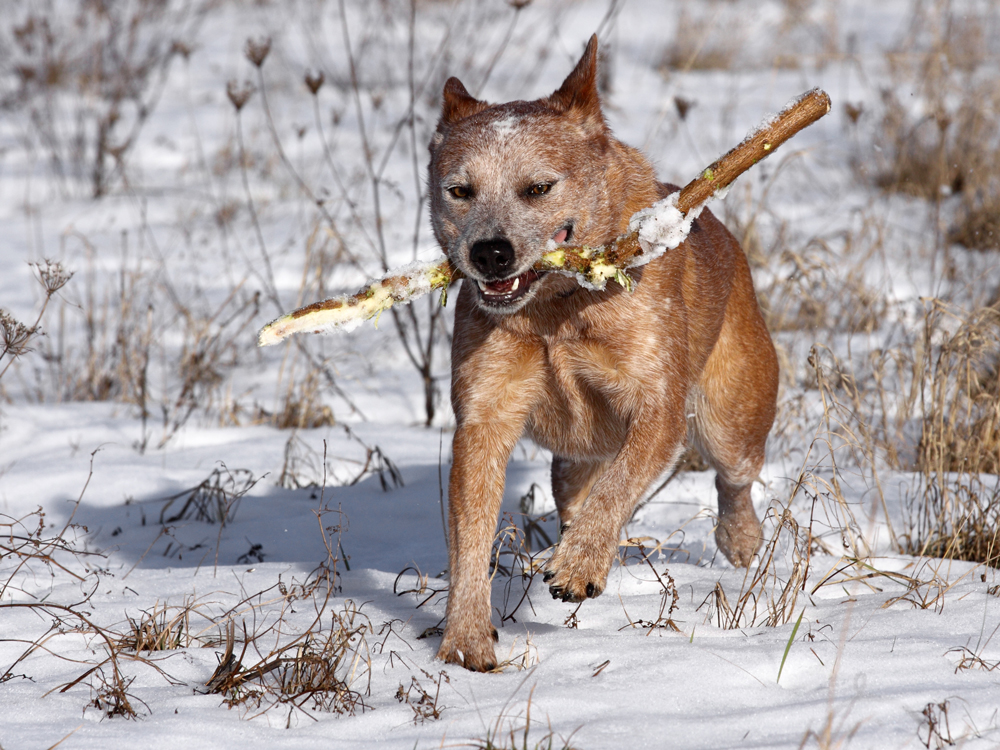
point(577, 572)
point(738, 537)
point(474, 651)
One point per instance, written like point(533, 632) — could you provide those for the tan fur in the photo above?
point(605, 380)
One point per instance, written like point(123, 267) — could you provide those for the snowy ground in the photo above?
point(147, 382)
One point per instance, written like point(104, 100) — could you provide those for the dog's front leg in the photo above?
point(475, 492)
point(579, 567)
point(495, 386)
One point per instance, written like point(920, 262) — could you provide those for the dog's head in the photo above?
point(505, 179)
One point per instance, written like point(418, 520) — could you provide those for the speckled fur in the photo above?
point(608, 381)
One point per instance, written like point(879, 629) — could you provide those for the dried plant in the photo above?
point(765, 597)
point(943, 143)
point(419, 698)
point(511, 560)
point(16, 337)
point(512, 730)
point(88, 79)
point(956, 511)
point(214, 500)
point(314, 671)
point(971, 660)
point(668, 596)
point(935, 731)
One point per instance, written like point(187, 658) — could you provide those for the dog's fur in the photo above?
point(613, 383)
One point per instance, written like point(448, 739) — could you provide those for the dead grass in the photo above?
point(515, 563)
point(941, 141)
point(935, 728)
point(516, 730)
point(419, 698)
point(663, 620)
point(315, 671)
point(931, 405)
point(117, 55)
point(767, 595)
point(702, 42)
point(323, 664)
point(214, 500)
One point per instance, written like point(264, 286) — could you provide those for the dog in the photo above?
point(614, 383)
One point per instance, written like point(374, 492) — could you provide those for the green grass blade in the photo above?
point(788, 646)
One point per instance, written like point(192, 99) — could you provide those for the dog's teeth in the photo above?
point(482, 286)
point(517, 283)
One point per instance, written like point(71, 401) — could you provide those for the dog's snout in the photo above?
point(493, 258)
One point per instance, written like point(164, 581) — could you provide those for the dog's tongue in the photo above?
point(560, 236)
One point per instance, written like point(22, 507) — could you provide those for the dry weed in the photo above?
point(668, 596)
point(513, 730)
point(315, 671)
point(419, 698)
point(87, 78)
point(702, 41)
point(934, 730)
point(214, 500)
point(512, 559)
point(16, 337)
point(956, 512)
point(765, 596)
point(944, 141)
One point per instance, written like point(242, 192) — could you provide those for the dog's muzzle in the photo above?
point(493, 260)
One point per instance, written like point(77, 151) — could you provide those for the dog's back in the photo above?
point(612, 382)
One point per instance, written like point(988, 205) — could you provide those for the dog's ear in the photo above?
point(458, 103)
point(578, 93)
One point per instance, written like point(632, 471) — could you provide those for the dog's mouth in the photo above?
point(563, 234)
point(507, 291)
point(501, 293)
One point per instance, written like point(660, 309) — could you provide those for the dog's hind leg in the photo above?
point(734, 406)
point(571, 483)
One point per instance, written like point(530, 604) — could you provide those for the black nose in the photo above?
point(493, 258)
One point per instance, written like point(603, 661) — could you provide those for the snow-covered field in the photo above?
point(144, 413)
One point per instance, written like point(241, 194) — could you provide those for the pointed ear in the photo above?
point(579, 90)
point(458, 103)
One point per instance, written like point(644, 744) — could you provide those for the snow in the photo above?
point(174, 272)
point(662, 227)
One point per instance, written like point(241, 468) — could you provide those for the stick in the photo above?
point(593, 267)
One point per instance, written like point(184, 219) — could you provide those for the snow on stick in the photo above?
point(652, 232)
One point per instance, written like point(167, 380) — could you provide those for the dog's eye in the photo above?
point(460, 191)
point(540, 189)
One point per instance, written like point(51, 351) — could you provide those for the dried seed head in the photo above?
point(854, 111)
point(683, 106)
point(314, 80)
point(180, 48)
point(52, 275)
point(256, 49)
point(239, 93)
point(14, 335)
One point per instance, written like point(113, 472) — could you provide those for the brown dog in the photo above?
point(613, 383)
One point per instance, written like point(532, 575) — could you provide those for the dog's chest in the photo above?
point(581, 414)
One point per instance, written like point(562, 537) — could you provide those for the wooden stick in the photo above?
point(758, 145)
point(591, 266)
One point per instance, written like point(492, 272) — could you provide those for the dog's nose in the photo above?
point(493, 258)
